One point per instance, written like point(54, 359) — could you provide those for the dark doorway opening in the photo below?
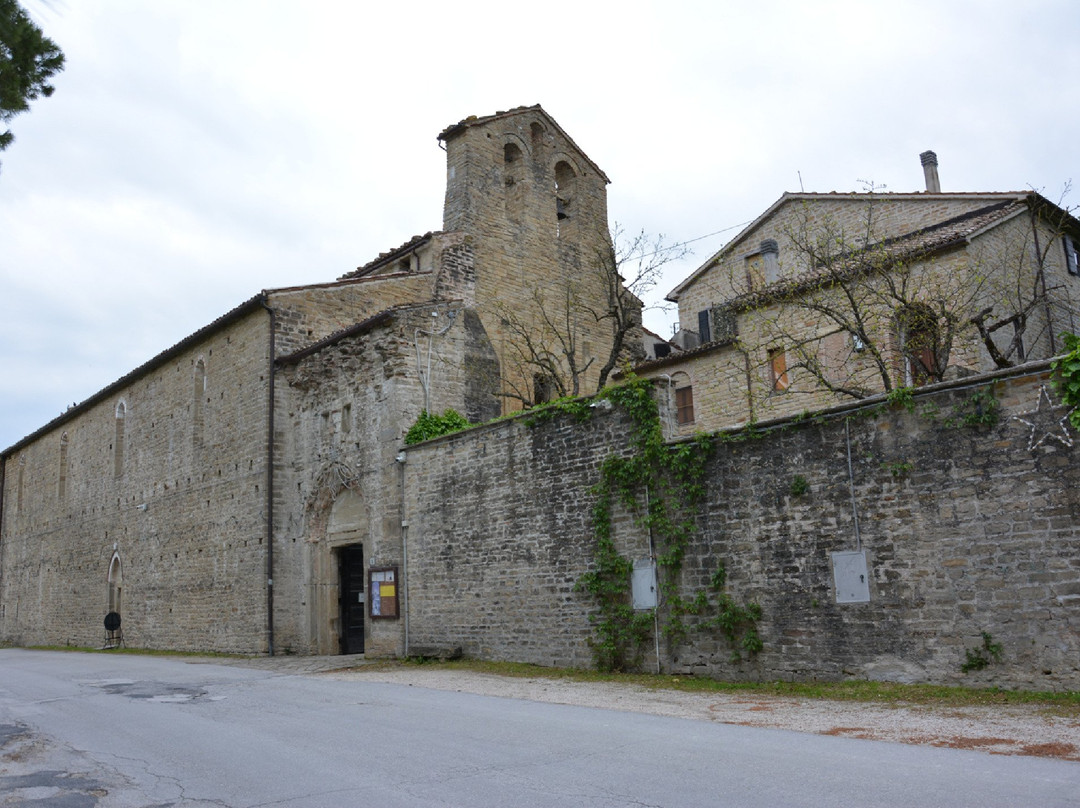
point(353, 601)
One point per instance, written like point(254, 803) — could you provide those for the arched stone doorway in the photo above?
point(339, 575)
point(114, 633)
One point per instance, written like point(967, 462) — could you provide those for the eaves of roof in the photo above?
point(675, 357)
point(933, 240)
point(473, 120)
point(241, 311)
point(787, 197)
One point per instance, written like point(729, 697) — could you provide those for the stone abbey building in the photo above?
point(249, 489)
point(241, 491)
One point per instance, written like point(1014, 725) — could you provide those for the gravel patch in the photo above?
point(999, 729)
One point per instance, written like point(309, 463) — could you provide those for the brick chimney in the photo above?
point(929, 167)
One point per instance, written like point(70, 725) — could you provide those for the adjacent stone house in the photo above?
point(826, 298)
point(241, 491)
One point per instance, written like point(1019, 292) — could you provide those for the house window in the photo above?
point(684, 405)
point(755, 271)
point(725, 325)
point(778, 367)
point(918, 340)
point(704, 331)
point(1072, 255)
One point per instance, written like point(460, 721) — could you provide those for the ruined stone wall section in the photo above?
point(182, 504)
point(966, 530)
point(342, 417)
point(308, 314)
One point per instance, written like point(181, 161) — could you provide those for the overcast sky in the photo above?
point(196, 152)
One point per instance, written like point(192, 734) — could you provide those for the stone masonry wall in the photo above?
point(308, 314)
point(966, 530)
point(182, 508)
point(499, 534)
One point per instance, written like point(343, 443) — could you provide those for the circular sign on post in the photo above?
point(112, 621)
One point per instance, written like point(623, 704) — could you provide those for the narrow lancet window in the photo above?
point(118, 444)
point(61, 482)
point(198, 400)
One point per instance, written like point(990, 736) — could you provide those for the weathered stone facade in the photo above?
point(965, 529)
point(218, 496)
point(150, 499)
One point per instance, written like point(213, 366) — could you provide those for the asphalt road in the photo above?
point(101, 731)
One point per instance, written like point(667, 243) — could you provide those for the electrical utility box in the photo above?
point(850, 577)
point(643, 584)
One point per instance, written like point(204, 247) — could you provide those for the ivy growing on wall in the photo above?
point(663, 485)
point(432, 425)
point(1067, 376)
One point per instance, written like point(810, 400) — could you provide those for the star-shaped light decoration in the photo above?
point(1045, 422)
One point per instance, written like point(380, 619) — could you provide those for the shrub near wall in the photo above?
point(968, 524)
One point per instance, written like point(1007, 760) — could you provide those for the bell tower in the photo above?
point(534, 207)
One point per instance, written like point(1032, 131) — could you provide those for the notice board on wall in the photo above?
point(383, 591)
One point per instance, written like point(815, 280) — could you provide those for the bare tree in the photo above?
point(554, 345)
point(1026, 292)
point(865, 314)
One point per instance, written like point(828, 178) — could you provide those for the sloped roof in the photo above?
point(474, 120)
point(676, 357)
point(991, 197)
point(918, 244)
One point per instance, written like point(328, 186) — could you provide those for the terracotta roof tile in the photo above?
point(385, 257)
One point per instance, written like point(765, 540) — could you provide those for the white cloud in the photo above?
point(196, 153)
